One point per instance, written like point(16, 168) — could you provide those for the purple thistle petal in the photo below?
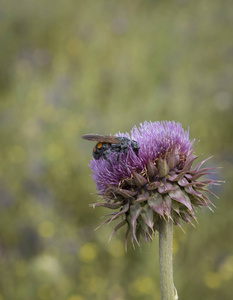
point(154, 139)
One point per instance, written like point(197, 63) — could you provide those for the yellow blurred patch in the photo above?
point(143, 285)
point(46, 229)
point(116, 248)
point(212, 280)
point(75, 297)
point(226, 269)
point(88, 252)
point(55, 152)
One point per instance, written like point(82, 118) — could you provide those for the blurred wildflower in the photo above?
point(157, 182)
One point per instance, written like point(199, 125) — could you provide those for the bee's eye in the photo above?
point(99, 145)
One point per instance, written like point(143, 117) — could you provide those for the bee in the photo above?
point(107, 145)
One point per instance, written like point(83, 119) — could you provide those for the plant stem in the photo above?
point(165, 259)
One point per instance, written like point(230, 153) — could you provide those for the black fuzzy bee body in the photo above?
point(109, 144)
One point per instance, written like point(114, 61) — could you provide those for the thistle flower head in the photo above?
point(156, 182)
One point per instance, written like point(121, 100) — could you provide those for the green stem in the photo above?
point(165, 259)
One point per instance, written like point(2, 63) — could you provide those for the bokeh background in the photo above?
point(73, 67)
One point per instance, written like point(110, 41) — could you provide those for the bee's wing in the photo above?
point(102, 138)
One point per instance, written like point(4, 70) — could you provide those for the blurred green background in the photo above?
point(74, 67)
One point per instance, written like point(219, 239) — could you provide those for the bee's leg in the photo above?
point(118, 160)
point(105, 157)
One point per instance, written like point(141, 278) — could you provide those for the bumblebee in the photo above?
point(107, 145)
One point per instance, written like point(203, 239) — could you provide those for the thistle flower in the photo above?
point(157, 182)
